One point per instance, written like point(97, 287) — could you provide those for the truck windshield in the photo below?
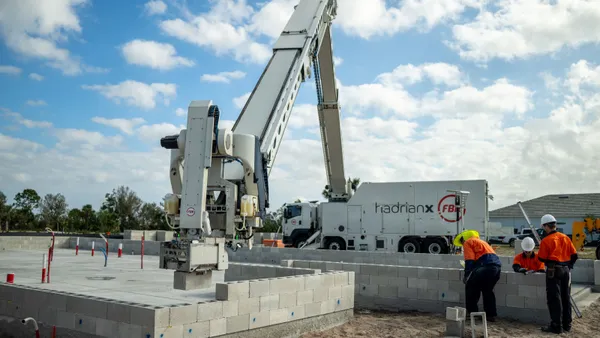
point(293, 211)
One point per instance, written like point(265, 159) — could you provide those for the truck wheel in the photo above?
point(299, 242)
point(436, 247)
point(410, 246)
point(511, 242)
point(598, 252)
point(336, 244)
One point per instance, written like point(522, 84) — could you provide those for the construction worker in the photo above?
point(559, 254)
point(482, 272)
point(527, 260)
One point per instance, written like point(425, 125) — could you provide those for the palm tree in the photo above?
point(355, 183)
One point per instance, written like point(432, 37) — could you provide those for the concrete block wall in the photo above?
point(582, 274)
point(245, 271)
point(136, 235)
point(151, 248)
point(32, 242)
point(430, 289)
point(240, 306)
point(258, 303)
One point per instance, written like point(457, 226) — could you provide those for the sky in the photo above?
point(429, 90)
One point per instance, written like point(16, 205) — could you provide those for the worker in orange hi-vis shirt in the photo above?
point(559, 254)
point(527, 260)
point(482, 272)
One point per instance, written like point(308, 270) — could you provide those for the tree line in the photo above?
point(121, 209)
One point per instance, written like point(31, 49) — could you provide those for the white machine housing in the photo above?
point(391, 216)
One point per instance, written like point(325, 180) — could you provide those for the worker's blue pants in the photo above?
point(482, 281)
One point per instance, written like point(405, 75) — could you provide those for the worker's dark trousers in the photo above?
point(482, 281)
point(558, 295)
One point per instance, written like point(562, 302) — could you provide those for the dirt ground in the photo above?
point(414, 324)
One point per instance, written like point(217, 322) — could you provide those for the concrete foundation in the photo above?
point(86, 299)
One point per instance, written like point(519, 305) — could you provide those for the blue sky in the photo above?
point(449, 122)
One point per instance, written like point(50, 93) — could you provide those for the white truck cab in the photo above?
point(299, 223)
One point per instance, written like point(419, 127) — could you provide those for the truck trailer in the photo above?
point(408, 217)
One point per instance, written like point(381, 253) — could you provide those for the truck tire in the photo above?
point(299, 242)
point(511, 242)
point(598, 252)
point(410, 245)
point(435, 246)
point(336, 244)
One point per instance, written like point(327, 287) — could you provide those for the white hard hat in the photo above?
point(528, 244)
point(548, 219)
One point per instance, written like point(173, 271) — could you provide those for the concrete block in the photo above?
point(351, 277)
point(449, 296)
point(427, 294)
point(238, 323)
point(209, 310)
point(351, 267)
point(307, 296)
point(363, 279)
point(455, 328)
point(369, 290)
point(192, 280)
point(287, 263)
point(248, 305)
point(278, 316)
point(267, 303)
point(387, 270)
point(86, 306)
point(388, 291)
point(313, 282)
point(149, 316)
point(427, 273)
point(312, 309)
point(597, 272)
point(259, 319)
point(369, 269)
point(333, 266)
point(417, 283)
point(197, 330)
point(259, 288)
point(302, 264)
point(515, 301)
point(335, 292)
point(408, 293)
point(65, 320)
point(379, 280)
point(526, 290)
point(288, 300)
point(449, 274)
point(218, 327)
point(456, 313)
point(340, 279)
point(441, 285)
point(118, 311)
point(232, 290)
point(328, 306)
point(85, 323)
point(185, 314)
point(535, 303)
point(231, 308)
point(279, 285)
point(105, 327)
point(328, 280)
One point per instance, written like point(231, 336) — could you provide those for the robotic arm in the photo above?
point(219, 176)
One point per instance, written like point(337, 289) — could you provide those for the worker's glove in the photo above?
point(523, 271)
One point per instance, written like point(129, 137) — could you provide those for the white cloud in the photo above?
point(136, 93)
point(337, 61)
point(223, 77)
point(36, 103)
point(473, 134)
point(510, 33)
point(35, 29)
point(438, 73)
point(10, 70)
point(371, 18)
point(240, 101)
point(35, 76)
point(125, 125)
point(154, 132)
point(26, 122)
point(180, 112)
point(155, 7)
point(153, 54)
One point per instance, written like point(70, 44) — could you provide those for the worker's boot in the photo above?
point(552, 329)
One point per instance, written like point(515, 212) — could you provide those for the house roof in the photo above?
point(559, 205)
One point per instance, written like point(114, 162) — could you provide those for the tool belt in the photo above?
point(556, 270)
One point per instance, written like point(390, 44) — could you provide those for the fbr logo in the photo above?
point(447, 209)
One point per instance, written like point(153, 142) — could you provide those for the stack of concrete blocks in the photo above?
point(164, 236)
point(455, 321)
point(262, 302)
point(242, 271)
point(400, 288)
point(582, 274)
point(136, 235)
point(41, 243)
